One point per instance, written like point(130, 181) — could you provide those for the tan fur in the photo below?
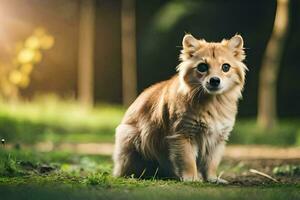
point(178, 128)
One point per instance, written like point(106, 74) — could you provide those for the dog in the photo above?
point(178, 128)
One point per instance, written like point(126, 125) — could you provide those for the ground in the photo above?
point(59, 150)
point(32, 175)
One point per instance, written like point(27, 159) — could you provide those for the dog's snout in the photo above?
point(214, 81)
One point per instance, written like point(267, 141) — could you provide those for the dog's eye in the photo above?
point(202, 67)
point(225, 67)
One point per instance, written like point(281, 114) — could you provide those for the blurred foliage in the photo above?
point(28, 55)
point(169, 15)
point(286, 132)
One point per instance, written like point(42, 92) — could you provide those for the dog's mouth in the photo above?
point(213, 90)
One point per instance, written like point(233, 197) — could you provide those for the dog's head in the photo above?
point(214, 67)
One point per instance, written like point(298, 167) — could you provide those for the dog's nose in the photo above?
point(214, 81)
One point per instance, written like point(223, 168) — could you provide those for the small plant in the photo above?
point(101, 179)
point(287, 170)
point(10, 165)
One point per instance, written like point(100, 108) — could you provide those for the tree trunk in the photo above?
point(86, 52)
point(267, 108)
point(129, 79)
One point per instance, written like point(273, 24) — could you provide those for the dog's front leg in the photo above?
point(183, 157)
point(213, 160)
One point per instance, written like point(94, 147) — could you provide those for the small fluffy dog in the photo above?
point(178, 128)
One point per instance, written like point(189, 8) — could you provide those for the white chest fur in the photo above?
point(220, 129)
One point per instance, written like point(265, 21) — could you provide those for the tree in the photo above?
point(267, 112)
point(86, 52)
point(128, 51)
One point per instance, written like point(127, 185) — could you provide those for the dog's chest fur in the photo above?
point(199, 126)
point(208, 124)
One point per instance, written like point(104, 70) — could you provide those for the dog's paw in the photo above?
point(216, 180)
point(190, 179)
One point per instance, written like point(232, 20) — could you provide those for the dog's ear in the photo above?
point(189, 43)
point(236, 45)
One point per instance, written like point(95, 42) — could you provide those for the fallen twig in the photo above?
point(263, 174)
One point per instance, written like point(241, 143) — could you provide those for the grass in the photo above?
point(88, 177)
point(147, 193)
point(19, 162)
point(25, 174)
point(51, 119)
point(286, 133)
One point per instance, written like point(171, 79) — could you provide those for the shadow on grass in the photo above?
point(166, 192)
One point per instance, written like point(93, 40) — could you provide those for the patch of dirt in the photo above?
point(237, 171)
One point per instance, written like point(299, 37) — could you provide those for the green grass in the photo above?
point(146, 193)
point(19, 162)
point(50, 119)
point(57, 121)
point(88, 177)
point(286, 133)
